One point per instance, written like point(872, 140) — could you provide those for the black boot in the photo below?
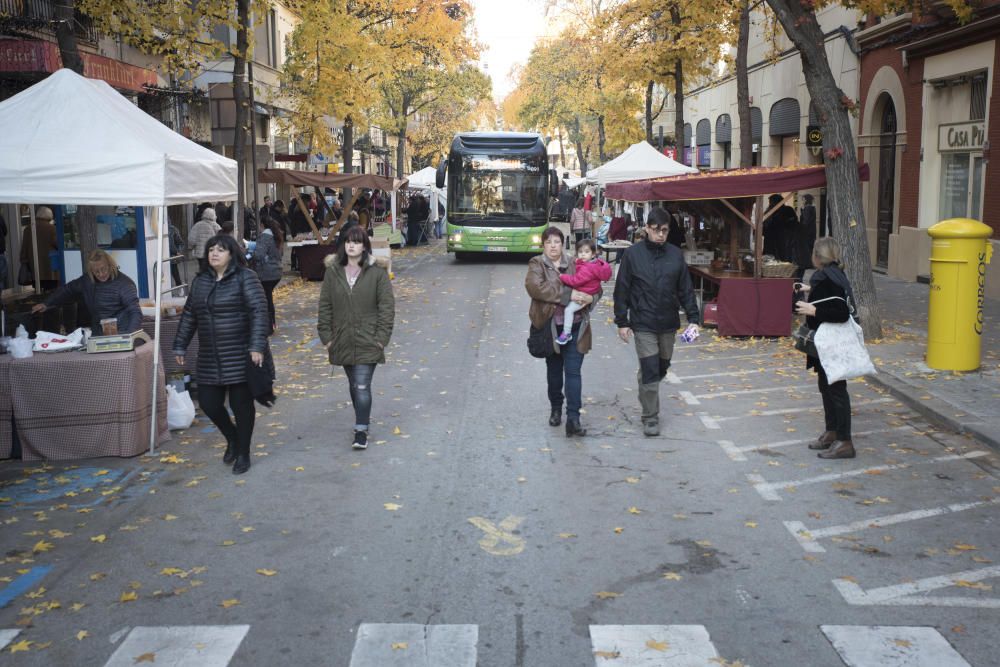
point(556, 417)
point(242, 462)
point(230, 454)
point(573, 428)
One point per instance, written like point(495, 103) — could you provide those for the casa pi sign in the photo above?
point(962, 137)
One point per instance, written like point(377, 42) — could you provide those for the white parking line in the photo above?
point(789, 411)
point(726, 358)
point(732, 451)
point(901, 595)
point(765, 390)
point(652, 645)
point(768, 490)
point(737, 453)
point(7, 636)
point(202, 645)
point(892, 646)
point(708, 421)
point(412, 645)
point(808, 538)
point(720, 374)
point(689, 398)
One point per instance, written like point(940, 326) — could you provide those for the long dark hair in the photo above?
point(272, 224)
point(226, 242)
point(355, 234)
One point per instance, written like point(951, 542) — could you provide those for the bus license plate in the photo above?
point(496, 248)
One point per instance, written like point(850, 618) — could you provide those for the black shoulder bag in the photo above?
point(540, 342)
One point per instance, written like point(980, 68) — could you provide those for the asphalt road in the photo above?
point(471, 532)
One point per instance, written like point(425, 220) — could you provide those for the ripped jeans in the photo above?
point(360, 379)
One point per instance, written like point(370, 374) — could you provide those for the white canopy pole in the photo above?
point(392, 207)
point(158, 282)
point(34, 247)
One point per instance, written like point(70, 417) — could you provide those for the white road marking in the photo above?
point(202, 645)
point(412, 645)
point(792, 443)
point(711, 358)
point(808, 538)
point(672, 378)
point(765, 390)
point(720, 374)
point(901, 595)
point(708, 421)
point(788, 411)
point(768, 489)
point(732, 451)
point(7, 636)
point(689, 398)
point(892, 646)
point(652, 645)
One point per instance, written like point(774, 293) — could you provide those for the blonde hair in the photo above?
point(98, 256)
point(826, 250)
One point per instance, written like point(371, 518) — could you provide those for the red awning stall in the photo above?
point(749, 302)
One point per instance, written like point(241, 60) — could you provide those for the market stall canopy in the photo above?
point(574, 182)
point(639, 161)
point(317, 180)
point(726, 184)
point(425, 179)
point(73, 140)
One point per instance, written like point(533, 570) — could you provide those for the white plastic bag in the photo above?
point(842, 350)
point(20, 348)
point(46, 341)
point(180, 409)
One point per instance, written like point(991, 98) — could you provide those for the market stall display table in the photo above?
point(74, 405)
point(749, 306)
point(309, 257)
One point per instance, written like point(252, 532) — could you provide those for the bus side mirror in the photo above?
point(439, 177)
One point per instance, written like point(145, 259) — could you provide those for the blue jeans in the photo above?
point(360, 379)
point(568, 364)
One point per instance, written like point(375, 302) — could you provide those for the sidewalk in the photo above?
point(963, 402)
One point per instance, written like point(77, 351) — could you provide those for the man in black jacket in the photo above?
point(652, 284)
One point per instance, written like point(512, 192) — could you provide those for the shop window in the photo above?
point(977, 106)
point(961, 186)
point(116, 228)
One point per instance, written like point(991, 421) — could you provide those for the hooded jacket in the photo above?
point(231, 318)
point(588, 276)
point(267, 257)
point(653, 284)
point(357, 320)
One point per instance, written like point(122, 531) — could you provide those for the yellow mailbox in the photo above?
point(960, 251)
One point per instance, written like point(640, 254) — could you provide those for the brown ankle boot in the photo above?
point(842, 449)
point(824, 441)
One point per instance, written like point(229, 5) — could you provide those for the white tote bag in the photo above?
point(842, 351)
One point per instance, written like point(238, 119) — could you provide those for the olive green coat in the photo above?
point(355, 324)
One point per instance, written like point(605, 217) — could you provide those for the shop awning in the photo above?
point(725, 184)
point(314, 179)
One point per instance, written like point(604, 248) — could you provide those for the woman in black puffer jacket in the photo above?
point(228, 308)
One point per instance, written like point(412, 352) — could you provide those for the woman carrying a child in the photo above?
point(550, 297)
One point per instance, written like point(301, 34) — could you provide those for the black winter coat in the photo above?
point(830, 281)
point(653, 284)
point(115, 297)
point(230, 316)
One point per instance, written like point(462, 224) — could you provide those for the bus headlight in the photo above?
point(536, 239)
point(456, 238)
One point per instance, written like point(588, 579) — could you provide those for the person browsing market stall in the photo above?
point(106, 293)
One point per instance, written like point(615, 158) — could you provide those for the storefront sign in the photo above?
point(40, 57)
point(962, 137)
point(814, 136)
point(704, 156)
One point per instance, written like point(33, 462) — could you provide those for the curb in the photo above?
point(936, 410)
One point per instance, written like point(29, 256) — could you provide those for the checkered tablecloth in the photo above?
point(168, 331)
point(74, 405)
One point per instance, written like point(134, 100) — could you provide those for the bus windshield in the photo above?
point(499, 190)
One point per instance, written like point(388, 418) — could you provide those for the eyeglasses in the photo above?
point(656, 230)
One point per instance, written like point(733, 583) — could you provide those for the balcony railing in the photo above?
point(40, 15)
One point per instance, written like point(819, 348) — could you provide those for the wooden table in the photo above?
point(749, 306)
point(74, 405)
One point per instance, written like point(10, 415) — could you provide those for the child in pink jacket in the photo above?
point(591, 271)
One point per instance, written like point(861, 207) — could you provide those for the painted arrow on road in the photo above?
point(908, 594)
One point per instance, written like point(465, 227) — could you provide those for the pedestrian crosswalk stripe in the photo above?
point(892, 646)
point(413, 645)
point(202, 645)
point(7, 636)
point(652, 646)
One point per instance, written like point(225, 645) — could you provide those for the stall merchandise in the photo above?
point(748, 304)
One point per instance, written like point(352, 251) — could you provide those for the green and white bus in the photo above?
point(498, 192)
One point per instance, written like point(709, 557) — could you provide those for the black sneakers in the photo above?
point(360, 440)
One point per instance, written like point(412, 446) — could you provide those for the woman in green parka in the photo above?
point(356, 314)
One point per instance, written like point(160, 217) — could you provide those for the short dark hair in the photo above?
point(552, 231)
point(354, 234)
point(226, 242)
point(658, 218)
point(586, 243)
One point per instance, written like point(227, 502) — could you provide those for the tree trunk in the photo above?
point(601, 139)
point(743, 88)
point(679, 139)
point(562, 150)
point(240, 99)
point(649, 112)
point(348, 152)
point(401, 151)
point(581, 157)
point(65, 13)
point(840, 156)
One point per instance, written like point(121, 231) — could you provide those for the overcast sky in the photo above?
point(507, 29)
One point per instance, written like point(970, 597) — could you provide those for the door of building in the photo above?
point(886, 183)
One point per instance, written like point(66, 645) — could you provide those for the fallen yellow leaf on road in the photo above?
point(99, 538)
point(567, 536)
point(42, 546)
point(145, 657)
point(396, 431)
point(634, 510)
point(632, 480)
point(297, 468)
point(902, 643)
point(228, 543)
point(607, 655)
point(170, 571)
point(657, 646)
point(965, 547)
point(750, 524)
point(672, 576)
point(619, 530)
point(977, 585)
point(129, 596)
point(607, 595)
point(23, 645)
point(392, 507)
point(226, 604)
point(267, 573)
point(169, 517)
point(400, 646)
point(82, 634)
point(34, 595)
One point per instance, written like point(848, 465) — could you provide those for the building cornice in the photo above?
point(886, 27)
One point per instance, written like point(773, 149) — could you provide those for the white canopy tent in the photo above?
point(639, 162)
point(426, 179)
point(73, 140)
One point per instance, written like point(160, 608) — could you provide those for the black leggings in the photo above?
point(269, 286)
point(212, 400)
point(360, 379)
point(836, 404)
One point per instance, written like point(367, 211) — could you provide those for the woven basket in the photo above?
point(779, 270)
